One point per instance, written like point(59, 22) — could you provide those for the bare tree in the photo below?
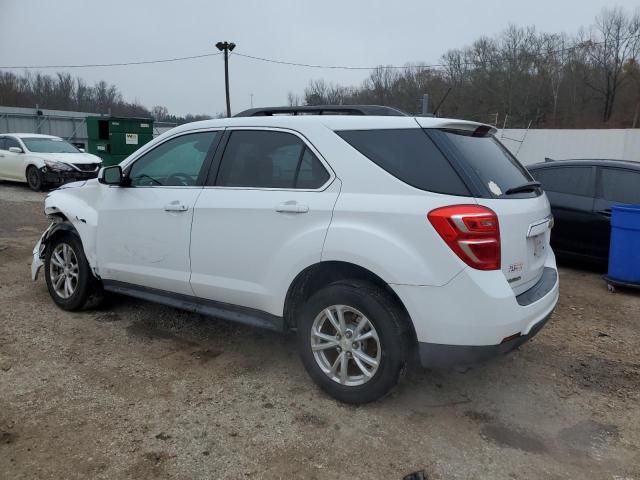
point(614, 40)
point(159, 113)
point(293, 100)
point(552, 65)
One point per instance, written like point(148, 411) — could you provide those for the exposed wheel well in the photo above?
point(315, 277)
point(63, 227)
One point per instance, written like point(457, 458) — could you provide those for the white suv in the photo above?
point(378, 239)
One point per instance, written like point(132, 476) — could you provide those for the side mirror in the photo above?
point(15, 150)
point(81, 150)
point(110, 175)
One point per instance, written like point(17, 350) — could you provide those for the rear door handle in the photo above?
point(175, 207)
point(292, 207)
point(606, 212)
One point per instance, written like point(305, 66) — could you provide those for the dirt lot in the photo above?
point(137, 390)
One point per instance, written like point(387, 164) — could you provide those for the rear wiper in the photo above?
point(525, 187)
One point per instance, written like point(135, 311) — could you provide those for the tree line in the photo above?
point(517, 79)
point(63, 91)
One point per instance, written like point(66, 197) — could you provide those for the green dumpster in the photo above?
point(115, 138)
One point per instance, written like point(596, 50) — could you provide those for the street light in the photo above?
point(226, 47)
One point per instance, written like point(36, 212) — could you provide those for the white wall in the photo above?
point(620, 144)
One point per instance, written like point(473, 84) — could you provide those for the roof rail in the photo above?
point(323, 110)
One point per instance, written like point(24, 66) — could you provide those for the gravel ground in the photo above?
point(136, 390)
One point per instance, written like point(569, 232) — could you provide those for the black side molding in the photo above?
point(540, 289)
point(226, 311)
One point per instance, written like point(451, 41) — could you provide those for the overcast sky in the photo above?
point(344, 32)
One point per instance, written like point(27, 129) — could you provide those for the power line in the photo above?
point(144, 62)
point(410, 66)
point(328, 67)
point(295, 64)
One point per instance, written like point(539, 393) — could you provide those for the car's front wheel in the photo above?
point(353, 341)
point(71, 284)
point(34, 178)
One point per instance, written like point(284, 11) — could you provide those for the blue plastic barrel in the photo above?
point(624, 252)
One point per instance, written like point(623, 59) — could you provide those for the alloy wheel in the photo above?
point(64, 271)
point(345, 345)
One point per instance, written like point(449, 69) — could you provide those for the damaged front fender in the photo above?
point(38, 254)
point(70, 209)
point(57, 225)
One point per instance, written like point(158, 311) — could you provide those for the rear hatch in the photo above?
point(499, 182)
point(524, 239)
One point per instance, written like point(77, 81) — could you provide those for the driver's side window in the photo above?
point(175, 163)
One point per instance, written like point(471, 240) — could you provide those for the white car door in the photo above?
point(262, 220)
point(144, 228)
point(12, 165)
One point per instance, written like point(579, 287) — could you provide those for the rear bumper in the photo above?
point(476, 315)
point(434, 355)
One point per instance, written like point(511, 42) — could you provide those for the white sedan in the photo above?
point(43, 160)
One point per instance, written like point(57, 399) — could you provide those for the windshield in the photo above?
point(490, 162)
point(49, 145)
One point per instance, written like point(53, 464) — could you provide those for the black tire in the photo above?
point(34, 178)
point(387, 318)
point(88, 292)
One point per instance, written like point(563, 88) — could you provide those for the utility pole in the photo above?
point(425, 104)
point(251, 99)
point(226, 47)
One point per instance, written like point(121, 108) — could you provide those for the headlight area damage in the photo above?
point(57, 166)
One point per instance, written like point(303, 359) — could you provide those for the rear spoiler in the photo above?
point(476, 129)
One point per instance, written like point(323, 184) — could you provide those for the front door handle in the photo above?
point(292, 207)
point(606, 212)
point(175, 206)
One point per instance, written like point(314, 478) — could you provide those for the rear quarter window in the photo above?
point(486, 161)
point(409, 155)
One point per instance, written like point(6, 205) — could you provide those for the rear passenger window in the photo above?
point(569, 180)
point(409, 155)
point(268, 159)
point(619, 185)
point(311, 173)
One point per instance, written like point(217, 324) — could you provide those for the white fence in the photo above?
point(532, 146)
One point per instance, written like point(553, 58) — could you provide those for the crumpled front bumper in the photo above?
point(55, 177)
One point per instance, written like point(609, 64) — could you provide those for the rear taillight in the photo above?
point(472, 232)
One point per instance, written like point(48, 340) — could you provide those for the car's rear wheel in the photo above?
point(71, 284)
point(34, 178)
point(353, 341)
